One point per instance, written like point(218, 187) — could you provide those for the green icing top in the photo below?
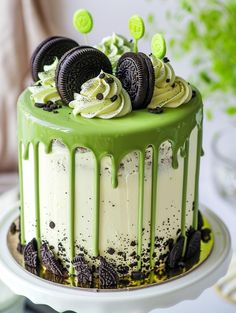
point(103, 97)
point(114, 137)
point(45, 89)
point(114, 47)
point(169, 90)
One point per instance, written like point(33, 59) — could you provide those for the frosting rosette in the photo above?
point(169, 90)
point(44, 89)
point(103, 97)
point(114, 47)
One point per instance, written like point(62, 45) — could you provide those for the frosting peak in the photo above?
point(169, 90)
point(103, 97)
point(45, 89)
point(114, 47)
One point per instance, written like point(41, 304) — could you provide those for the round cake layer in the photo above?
point(124, 188)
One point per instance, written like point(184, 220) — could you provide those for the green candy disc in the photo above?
point(158, 46)
point(136, 27)
point(83, 21)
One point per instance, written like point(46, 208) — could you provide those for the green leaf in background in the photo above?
point(209, 114)
point(209, 37)
point(231, 110)
point(151, 18)
point(186, 5)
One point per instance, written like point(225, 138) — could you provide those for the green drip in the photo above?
point(197, 174)
point(36, 186)
point(48, 148)
point(140, 206)
point(22, 216)
point(175, 149)
point(155, 156)
point(96, 213)
point(116, 138)
point(184, 192)
point(72, 206)
point(182, 152)
point(26, 151)
point(114, 172)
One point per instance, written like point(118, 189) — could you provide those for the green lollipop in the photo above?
point(83, 21)
point(137, 29)
point(158, 46)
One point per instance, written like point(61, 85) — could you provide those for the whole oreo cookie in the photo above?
point(136, 74)
point(76, 67)
point(47, 50)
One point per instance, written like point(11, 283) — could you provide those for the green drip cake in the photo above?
point(108, 164)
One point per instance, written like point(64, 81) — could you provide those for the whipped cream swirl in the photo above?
point(169, 90)
point(44, 89)
point(114, 47)
point(103, 97)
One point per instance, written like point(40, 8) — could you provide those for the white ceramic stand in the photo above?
point(62, 298)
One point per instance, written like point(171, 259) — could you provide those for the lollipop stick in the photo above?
point(135, 45)
point(86, 39)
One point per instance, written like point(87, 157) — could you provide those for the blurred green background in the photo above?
point(206, 32)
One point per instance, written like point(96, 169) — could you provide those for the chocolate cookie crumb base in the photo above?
point(13, 228)
point(108, 275)
point(205, 235)
point(138, 276)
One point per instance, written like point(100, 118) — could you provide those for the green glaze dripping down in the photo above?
point(96, 213)
point(36, 190)
point(72, 205)
point(115, 138)
point(22, 224)
point(155, 155)
point(196, 187)
point(185, 153)
point(141, 205)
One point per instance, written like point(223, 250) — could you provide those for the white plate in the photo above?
point(62, 298)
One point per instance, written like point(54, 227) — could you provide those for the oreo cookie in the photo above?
point(51, 263)
point(83, 271)
point(200, 221)
point(31, 254)
point(47, 50)
point(136, 74)
point(176, 252)
point(78, 66)
point(108, 277)
point(151, 77)
point(194, 244)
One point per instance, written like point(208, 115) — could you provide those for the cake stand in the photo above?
point(62, 298)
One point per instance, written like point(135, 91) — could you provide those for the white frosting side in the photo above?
point(119, 207)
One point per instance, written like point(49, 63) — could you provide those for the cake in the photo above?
point(109, 156)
